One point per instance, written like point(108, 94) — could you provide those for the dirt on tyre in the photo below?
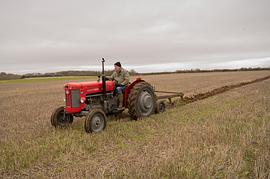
point(142, 100)
point(61, 119)
point(95, 121)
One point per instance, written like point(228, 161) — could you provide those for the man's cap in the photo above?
point(118, 64)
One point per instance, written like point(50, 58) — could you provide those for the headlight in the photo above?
point(82, 100)
point(67, 92)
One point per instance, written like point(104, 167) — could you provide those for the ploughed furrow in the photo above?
point(200, 96)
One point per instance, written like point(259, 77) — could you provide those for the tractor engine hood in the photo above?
point(90, 87)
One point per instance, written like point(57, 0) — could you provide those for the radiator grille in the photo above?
point(75, 98)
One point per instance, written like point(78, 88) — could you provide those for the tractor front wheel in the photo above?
point(61, 119)
point(95, 121)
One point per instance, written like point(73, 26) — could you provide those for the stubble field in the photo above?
point(226, 135)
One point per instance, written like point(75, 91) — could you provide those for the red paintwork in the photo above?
point(93, 88)
point(90, 87)
point(85, 89)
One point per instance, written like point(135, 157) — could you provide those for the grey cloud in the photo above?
point(48, 35)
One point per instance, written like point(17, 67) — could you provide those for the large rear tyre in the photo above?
point(95, 121)
point(142, 101)
point(61, 119)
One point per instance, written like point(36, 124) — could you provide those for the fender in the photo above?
point(128, 90)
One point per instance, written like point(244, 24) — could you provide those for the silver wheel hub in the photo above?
point(146, 102)
point(97, 122)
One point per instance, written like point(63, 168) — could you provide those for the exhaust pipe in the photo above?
point(103, 80)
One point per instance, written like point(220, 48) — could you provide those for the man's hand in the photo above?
point(124, 83)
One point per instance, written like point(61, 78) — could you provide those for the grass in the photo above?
point(224, 136)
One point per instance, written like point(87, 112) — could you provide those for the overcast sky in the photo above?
point(146, 35)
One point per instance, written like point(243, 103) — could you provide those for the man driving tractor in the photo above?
point(121, 78)
point(98, 99)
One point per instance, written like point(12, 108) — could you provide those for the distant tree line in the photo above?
point(197, 70)
point(62, 73)
point(9, 76)
point(72, 73)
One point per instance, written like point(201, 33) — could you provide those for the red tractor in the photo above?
point(96, 100)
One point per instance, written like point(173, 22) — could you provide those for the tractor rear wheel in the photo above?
point(95, 121)
point(61, 119)
point(142, 100)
